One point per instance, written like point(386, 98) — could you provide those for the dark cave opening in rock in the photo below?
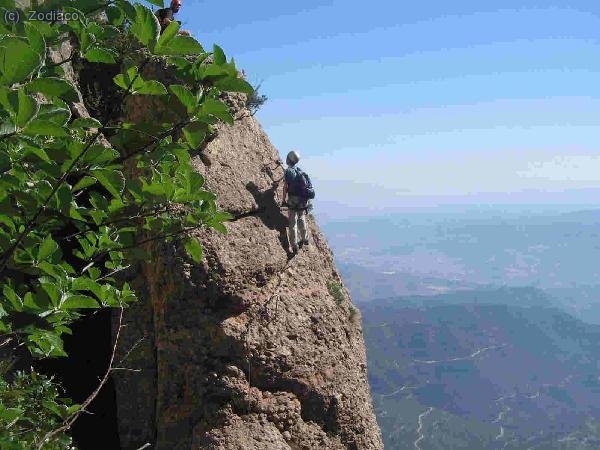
point(89, 349)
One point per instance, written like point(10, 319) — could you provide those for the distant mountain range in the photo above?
point(482, 326)
point(483, 369)
point(550, 250)
point(368, 285)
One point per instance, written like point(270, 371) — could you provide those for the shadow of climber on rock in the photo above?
point(269, 212)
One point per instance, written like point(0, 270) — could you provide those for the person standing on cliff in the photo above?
point(167, 15)
point(297, 192)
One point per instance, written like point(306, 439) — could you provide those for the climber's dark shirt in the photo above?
point(162, 14)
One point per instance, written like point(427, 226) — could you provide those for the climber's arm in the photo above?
point(285, 188)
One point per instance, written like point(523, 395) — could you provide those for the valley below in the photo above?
point(482, 330)
point(482, 376)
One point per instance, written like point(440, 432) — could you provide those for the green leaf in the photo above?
point(57, 113)
point(222, 216)
point(218, 109)
point(51, 87)
point(28, 108)
point(127, 8)
point(52, 407)
point(98, 154)
point(219, 55)
point(44, 343)
point(12, 297)
point(64, 199)
point(145, 27)
point(38, 152)
point(169, 33)
point(18, 60)
point(10, 415)
point(83, 183)
point(46, 29)
point(33, 303)
point(79, 301)
point(115, 15)
point(218, 226)
point(9, 99)
point(108, 33)
point(234, 85)
point(8, 4)
point(194, 249)
point(8, 222)
point(133, 81)
point(100, 55)
point(36, 39)
point(47, 248)
point(50, 269)
point(112, 180)
point(216, 72)
point(87, 284)
point(75, 213)
point(150, 87)
point(7, 127)
point(44, 127)
point(86, 122)
point(179, 45)
point(73, 409)
point(158, 3)
point(185, 96)
point(98, 201)
point(124, 80)
point(5, 165)
point(195, 133)
point(179, 61)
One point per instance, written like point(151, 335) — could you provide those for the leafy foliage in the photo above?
point(352, 311)
point(255, 100)
point(335, 290)
point(30, 405)
point(76, 210)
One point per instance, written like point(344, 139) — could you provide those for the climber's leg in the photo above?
point(292, 216)
point(303, 227)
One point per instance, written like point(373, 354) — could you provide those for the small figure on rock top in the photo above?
point(298, 192)
point(167, 15)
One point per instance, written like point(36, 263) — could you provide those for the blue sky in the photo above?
point(406, 103)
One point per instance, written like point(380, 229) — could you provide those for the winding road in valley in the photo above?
point(420, 427)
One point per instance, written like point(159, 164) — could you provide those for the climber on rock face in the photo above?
point(167, 15)
point(298, 191)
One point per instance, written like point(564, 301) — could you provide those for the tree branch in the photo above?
point(8, 253)
point(60, 63)
point(139, 243)
point(158, 138)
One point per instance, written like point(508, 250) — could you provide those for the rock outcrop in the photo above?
point(248, 350)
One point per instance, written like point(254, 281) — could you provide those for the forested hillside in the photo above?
point(506, 371)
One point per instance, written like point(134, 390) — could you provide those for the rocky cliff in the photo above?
point(250, 349)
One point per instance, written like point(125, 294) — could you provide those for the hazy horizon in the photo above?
point(334, 211)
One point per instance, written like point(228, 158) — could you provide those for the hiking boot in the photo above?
point(304, 243)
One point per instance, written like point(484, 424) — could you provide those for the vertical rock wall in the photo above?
point(248, 350)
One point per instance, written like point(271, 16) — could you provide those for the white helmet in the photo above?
point(292, 158)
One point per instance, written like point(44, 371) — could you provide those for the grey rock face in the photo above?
point(247, 350)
